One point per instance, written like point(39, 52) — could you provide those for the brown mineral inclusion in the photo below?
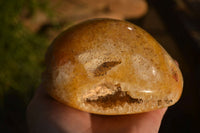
point(111, 67)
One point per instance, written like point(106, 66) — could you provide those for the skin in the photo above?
point(44, 114)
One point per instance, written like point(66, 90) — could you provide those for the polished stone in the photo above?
point(111, 67)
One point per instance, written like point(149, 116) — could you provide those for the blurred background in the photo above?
point(27, 28)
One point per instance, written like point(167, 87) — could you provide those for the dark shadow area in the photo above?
point(13, 113)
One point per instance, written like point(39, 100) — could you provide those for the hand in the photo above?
point(45, 115)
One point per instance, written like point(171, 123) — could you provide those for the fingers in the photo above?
point(150, 121)
point(44, 114)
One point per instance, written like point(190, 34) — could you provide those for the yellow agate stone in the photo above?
point(111, 67)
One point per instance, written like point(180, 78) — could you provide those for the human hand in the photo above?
point(45, 115)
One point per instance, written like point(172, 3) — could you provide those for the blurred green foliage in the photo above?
point(21, 62)
point(21, 51)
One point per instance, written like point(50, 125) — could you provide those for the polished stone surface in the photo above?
point(111, 67)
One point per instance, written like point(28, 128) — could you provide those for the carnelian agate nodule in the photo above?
point(111, 67)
